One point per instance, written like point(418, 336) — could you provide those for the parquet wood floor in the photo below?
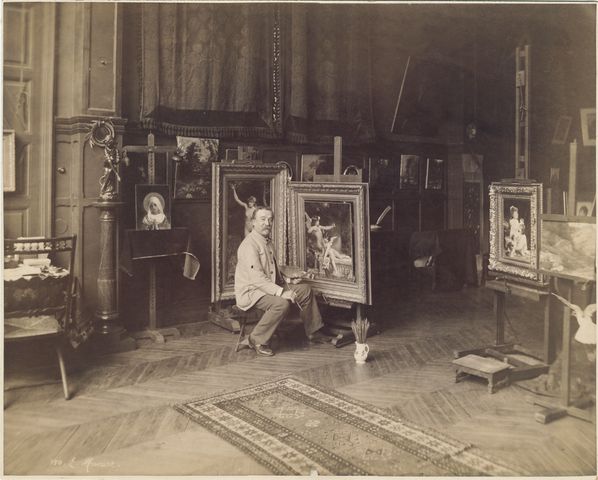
point(121, 422)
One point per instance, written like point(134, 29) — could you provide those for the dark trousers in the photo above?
point(276, 308)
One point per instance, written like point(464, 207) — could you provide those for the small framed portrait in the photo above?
point(561, 130)
point(588, 126)
point(318, 164)
point(515, 209)
point(382, 175)
point(555, 176)
point(192, 178)
point(329, 238)
point(231, 155)
point(584, 209)
point(287, 159)
point(248, 154)
point(434, 174)
point(409, 172)
point(152, 207)
point(238, 190)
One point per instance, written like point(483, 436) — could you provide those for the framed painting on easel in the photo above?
point(236, 190)
point(515, 209)
point(329, 238)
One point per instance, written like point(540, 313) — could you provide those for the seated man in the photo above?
point(256, 285)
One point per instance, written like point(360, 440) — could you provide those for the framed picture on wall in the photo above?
point(588, 126)
point(329, 238)
point(382, 175)
point(152, 207)
point(237, 190)
point(318, 164)
point(9, 161)
point(434, 174)
point(285, 158)
point(515, 209)
point(561, 130)
point(409, 172)
point(193, 176)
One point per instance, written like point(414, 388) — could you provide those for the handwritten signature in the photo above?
point(88, 463)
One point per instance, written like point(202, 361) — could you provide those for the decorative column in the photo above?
point(107, 315)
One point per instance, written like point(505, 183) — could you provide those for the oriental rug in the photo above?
point(294, 428)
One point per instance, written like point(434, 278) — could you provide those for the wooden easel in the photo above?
point(342, 330)
point(522, 109)
point(151, 149)
point(555, 409)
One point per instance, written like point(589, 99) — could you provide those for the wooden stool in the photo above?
point(493, 370)
point(243, 317)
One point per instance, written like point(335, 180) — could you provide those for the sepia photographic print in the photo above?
point(411, 187)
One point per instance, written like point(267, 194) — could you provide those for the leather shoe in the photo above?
point(262, 350)
point(319, 337)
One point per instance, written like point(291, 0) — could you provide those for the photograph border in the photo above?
point(278, 190)
point(357, 193)
point(498, 262)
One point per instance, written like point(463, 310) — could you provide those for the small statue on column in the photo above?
point(102, 135)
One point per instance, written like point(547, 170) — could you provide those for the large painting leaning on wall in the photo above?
point(237, 189)
point(568, 246)
point(514, 212)
point(329, 238)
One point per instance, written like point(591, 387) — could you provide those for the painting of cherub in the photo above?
point(329, 235)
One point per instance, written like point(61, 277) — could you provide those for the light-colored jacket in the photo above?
point(255, 275)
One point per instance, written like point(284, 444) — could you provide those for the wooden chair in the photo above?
point(37, 306)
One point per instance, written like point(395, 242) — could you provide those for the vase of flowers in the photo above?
point(360, 330)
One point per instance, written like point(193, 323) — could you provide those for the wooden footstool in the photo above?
point(493, 370)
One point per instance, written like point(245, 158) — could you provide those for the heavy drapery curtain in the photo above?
point(296, 71)
point(206, 69)
point(327, 74)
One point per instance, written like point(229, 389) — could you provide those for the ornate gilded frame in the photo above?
point(356, 194)
point(222, 176)
point(502, 193)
